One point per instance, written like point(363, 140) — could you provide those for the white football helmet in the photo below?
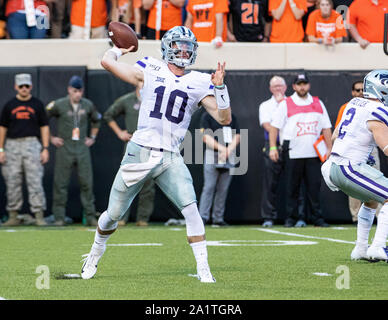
point(376, 86)
point(179, 46)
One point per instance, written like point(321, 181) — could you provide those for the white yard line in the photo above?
point(303, 236)
point(258, 243)
point(133, 244)
point(322, 274)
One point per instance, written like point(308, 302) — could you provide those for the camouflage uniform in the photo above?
point(73, 152)
point(23, 155)
point(128, 105)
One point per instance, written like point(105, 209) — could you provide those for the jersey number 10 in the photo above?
point(170, 105)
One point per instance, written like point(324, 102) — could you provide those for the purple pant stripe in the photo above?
point(361, 184)
point(367, 179)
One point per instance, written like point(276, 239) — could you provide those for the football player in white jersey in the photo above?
point(364, 126)
point(169, 98)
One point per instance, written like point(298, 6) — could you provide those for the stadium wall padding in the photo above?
point(247, 90)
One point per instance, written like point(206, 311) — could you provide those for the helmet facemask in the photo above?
point(182, 53)
point(179, 47)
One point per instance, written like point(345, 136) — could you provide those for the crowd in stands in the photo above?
point(326, 22)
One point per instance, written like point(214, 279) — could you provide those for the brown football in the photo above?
point(122, 35)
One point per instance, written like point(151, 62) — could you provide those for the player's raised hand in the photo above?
point(217, 77)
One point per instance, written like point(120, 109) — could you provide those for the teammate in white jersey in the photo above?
point(169, 98)
point(364, 125)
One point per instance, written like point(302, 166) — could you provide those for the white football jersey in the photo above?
point(167, 104)
point(355, 142)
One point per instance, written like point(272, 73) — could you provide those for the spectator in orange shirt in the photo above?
point(325, 25)
point(287, 23)
point(170, 16)
point(206, 18)
point(366, 21)
point(78, 20)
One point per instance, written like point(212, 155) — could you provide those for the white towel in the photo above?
point(325, 169)
point(30, 13)
point(132, 173)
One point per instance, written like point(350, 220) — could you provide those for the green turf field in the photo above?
point(249, 262)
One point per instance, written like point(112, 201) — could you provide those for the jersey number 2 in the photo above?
point(352, 112)
point(170, 105)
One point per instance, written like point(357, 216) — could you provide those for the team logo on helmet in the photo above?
point(384, 79)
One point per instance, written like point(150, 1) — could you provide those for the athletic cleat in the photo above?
point(204, 274)
point(377, 253)
point(359, 253)
point(300, 224)
point(89, 268)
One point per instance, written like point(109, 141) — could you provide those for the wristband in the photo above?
point(116, 51)
point(273, 148)
point(93, 137)
point(222, 97)
point(45, 148)
point(1, 149)
point(385, 148)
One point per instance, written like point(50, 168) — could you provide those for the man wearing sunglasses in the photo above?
point(24, 141)
point(355, 204)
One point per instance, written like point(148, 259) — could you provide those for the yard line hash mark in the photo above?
point(304, 236)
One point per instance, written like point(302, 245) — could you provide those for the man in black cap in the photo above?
point(303, 119)
point(74, 114)
point(24, 141)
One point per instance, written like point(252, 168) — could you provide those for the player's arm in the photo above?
point(380, 134)
point(222, 116)
point(335, 134)
point(218, 106)
point(121, 70)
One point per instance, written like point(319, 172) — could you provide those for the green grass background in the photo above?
point(161, 272)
